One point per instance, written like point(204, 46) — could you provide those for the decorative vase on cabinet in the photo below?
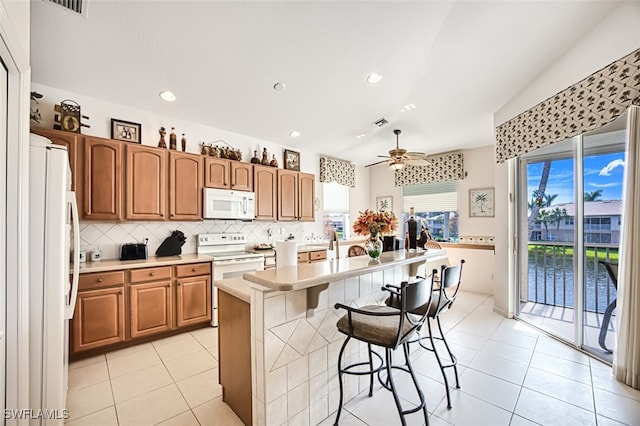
point(373, 246)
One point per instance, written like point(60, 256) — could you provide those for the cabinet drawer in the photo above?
point(100, 279)
point(317, 255)
point(149, 274)
point(193, 270)
point(303, 257)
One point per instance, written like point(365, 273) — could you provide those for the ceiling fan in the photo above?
point(399, 157)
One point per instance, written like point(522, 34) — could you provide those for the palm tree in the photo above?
point(481, 198)
point(548, 199)
point(593, 196)
point(542, 186)
point(557, 215)
point(544, 218)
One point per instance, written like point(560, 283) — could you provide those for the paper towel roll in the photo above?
point(286, 254)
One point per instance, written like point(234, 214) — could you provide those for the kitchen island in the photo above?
point(292, 329)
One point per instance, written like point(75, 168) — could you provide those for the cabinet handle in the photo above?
point(121, 292)
point(193, 269)
point(99, 280)
point(179, 283)
point(152, 273)
point(168, 285)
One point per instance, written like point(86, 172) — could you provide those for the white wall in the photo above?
point(19, 12)
point(381, 183)
point(479, 173)
point(359, 198)
point(616, 36)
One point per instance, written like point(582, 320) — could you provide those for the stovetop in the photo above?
point(223, 247)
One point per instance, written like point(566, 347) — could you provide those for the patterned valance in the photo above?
point(587, 105)
point(342, 172)
point(442, 167)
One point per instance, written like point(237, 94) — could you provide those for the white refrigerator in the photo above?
point(53, 215)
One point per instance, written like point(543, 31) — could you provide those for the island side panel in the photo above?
point(295, 357)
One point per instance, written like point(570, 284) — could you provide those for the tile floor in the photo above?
point(510, 374)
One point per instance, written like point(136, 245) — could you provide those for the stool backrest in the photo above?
point(450, 278)
point(356, 250)
point(432, 245)
point(612, 271)
point(412, 296)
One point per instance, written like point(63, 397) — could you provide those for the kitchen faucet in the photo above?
point(334, 236)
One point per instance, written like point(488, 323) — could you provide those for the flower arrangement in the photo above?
point(373, 223)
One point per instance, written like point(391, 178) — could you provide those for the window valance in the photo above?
point(339, 171)
point(587, 105)
point(443, 167)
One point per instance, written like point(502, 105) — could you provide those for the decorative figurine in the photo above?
point(173, 140)
point(265, 158)
point(162, 143)
point(203, 149)
point(184, 143)
point(274, 162)
point(255, 159)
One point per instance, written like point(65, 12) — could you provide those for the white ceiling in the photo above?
point(458, 62)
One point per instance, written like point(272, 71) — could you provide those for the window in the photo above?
point(568, 220)
point(436, 208)
point(336, 210)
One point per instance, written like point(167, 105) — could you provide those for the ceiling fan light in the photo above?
point(395, 165)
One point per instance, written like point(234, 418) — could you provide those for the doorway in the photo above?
point(570, 211)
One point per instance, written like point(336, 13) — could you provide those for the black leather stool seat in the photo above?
point(377, 330)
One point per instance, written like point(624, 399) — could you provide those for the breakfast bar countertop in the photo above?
point(307, 275)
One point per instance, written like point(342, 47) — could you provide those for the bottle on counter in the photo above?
point(173, 140)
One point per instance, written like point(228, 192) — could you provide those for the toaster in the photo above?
point(133, 251)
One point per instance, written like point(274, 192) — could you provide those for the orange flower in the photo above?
point(370, 222)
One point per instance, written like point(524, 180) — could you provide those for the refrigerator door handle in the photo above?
point(70, 308)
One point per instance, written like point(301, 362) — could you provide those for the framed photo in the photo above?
point(481, 202)
point(291, 160)
point(384, 203)
point(126, 131)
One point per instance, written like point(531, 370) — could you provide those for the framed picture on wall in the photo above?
point(481, 202)
point(126, 131)
point(384, 203)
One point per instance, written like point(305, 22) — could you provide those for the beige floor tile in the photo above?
point(129, 350)
point(617, 407)
point(152, 408)
point(200, 388)
point(469, 410)
point(559, 387)
point(190, 365)
point(88, 400)
point(546, 410)
point(140, 382)
point(183, 419)
point(88, 375)
point(172, 339)
point(504, 394)
point(105, 417)
point(216, 412)
point(208, 337)
point(135, 361)
point(87, 361)
point(370, 411)
point(176, 348)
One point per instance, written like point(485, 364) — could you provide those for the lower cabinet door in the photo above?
point(150, 308)
point(193, 300)
point(98, 319)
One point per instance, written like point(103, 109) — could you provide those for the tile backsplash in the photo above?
point(109, 236)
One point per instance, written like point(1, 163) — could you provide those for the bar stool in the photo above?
point(389, 328)
point(441, 301)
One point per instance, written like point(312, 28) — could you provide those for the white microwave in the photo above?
point(227, 204)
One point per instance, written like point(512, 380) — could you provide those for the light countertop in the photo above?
point(114, 264)
point(307, 275)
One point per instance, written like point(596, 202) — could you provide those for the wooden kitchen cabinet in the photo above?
point(98, 319)
point(150, 308)
point(68, 140)
point(287, 195)
point(216, 173)
point(185, 186)
point(146, 183)
point(266, 188)
point(193, 300)
point(306, 197)
point(241, 176)
point(312, 256)
point(102, 179)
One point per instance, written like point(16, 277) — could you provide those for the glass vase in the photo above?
point(373, 246)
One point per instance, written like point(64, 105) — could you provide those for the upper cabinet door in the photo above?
point(185, 186)
point(306, 186)
point(69, 140)
point(266, 188)
point(102, 179)
point(216, 174)
point(287, 195)
point(146, 183)
point(241, 176)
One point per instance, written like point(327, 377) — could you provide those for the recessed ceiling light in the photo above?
point(374, 78)
point(408, 107)
point(294, 134)
point(360, 136)
point(279, 86)
point(168, 96)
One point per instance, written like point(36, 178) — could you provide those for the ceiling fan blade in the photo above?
point(417, 155)
point(375, 164)
point(418, 162)
point(383, 156)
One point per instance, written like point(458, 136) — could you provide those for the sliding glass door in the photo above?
point(570, 210)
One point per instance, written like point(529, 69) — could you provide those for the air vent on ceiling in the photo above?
point(381, 122)
point(77, 6)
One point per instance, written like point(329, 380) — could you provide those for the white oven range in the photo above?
point(230, 259)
